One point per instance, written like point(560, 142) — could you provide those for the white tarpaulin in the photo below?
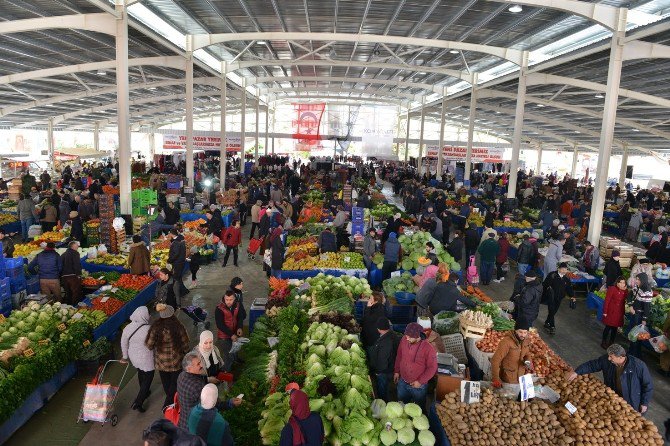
point(379, 128)
point(178, 142)
point(479, 154)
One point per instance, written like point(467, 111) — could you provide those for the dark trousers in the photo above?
point(194, 273)
point(499, 271)
point(486, 272)
point(382, 385)
point(235, 250)
point(609, 335)
point(243, 218)
point(469, 252)
point(145, 379)
point(388, 268)
point(48, 225)
point(72, 287)
point(635, 348)
point(552, 308)
point(169, 381)
point(253, 230)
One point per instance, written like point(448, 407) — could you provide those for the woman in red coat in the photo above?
point(613, 310)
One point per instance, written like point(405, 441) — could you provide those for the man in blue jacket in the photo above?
point(626, 375)
point(49, 267)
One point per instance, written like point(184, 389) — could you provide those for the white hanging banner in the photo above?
point(379, 128)
point(479, 154)
point(178, 142)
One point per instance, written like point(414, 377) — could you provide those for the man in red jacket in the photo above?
point(229, 317)
point(501, 258)
point(232, 238)
point(415, 365)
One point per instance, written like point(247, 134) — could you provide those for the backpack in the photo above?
point(472, 275)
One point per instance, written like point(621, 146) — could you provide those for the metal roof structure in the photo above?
point(61, 69)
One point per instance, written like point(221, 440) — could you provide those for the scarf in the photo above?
point(207, 336)
point(299, 403)
point(275, 233)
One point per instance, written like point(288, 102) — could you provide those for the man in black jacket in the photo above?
point(214, 225)
point(525, 255)
point(447, 295)
point(177, 258)
point(382, 357)
point(455, 248)
point(71, 273)
point(472, 240)
point(556, 286)
point(527, 298)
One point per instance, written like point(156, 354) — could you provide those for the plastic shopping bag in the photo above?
point(660, 343)
point(98, 400)
point(237, 345)
point(637, 333)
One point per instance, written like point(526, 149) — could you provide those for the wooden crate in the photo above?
point(609, 242)
point(470, 331)
point(625, 262)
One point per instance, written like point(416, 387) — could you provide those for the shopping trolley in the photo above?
point(99, 398)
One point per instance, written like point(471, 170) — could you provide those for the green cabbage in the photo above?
point(406, 435)
point(378, 409)
point(388, 437)
point(421, 423)
point(413, 410)
point(426, 438)
point(394, 410)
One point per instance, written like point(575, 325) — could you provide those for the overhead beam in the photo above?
point(338, 90)
point(639, 49)
point(205, 40)
point(98, 22)
point(353, 80)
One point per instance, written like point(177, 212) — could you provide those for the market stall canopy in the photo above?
point(79, 152)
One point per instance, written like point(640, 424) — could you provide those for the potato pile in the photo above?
point(499, 421)
point(602, 417)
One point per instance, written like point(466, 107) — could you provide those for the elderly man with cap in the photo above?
point(512, 357)
point(206, 422)
point(627, 375)
point(526, 296)
point(382, 357)
point(255, 217)
point(71, 273)
point(415, 365)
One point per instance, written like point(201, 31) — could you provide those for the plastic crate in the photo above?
point(174, 185)
point(33, 285)
point(403, 314)
point(357, 214)
point(255, 313)
point(358, 228)
point(359, 309)
point(6, 309)
point(17, 286)
point(14, 262)
point(453, 344)
point(4, 286)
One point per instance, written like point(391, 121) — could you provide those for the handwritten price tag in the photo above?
point(2, 318)
point(43, 342)
point(296, 329)
point(571, 408)
point(77, 316)
point(104, 299)
point(28, 353)
point(86, 343)
point(61, 326)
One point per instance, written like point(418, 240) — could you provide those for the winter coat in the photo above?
point(488, 251)
point(392, 250)
point(71, 263)
point(369, 249)
point(8, 247)
point(231, 236)
point(446, 296)
point(77, 229)
point(256, 213)
point(503, 243)
point(471, 239)
point(49, 214)
point(426, 293)
point(553, 257)
point(138, 258)
point(49, 264)
point(383, 353)
point(168, 292)
point(415, 362)
point(312, 431)
point(177, 256)
point(168, 352)
point(214, 369)
point(642, 302)
point(210, 425)
point(614, 306)
point(132, 340)
point(327, 242)
point(527, 301)
point(560, 286)
point(525, 254)
point(214, 225)
point(371, 315)
point(228, 320)
point(176, 436)
point(26, 209)
point(642, 268)
point(635, 221)
point(612, 271)
point(636, 384)
point(63, 212)
point(189, 387)
point(455, 249)
point(507, 363)
point(264, 226)
point(591, 259)
point(277, 253)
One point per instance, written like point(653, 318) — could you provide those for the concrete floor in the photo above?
point(577, 340)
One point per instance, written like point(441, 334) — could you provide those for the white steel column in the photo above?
point(607, 129)
point(423, 123)
point(50, 138)
point(397, 132)
point(539, 159)
point(152, 144)
point(440, 155)
point(123, 107)
point(471, 127)
point(407, 134)
point(267, 128)
point(258, 133)
point(575, 158)
point(189, 118)
point(518, 127)
point(624, 164)
point(274, 122)
point(96, 137)
point(223, 147)
point(243, 123)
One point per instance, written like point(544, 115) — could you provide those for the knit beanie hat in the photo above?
point(413, 330)
point(208, 396)
point(616, 253)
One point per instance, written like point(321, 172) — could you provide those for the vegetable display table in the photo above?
point(97, 268)
point(190, 216)
point(594, 302)
point(301, 275)
point(593, 283)
point(36, 401)
point(12, 227)
point(661, 283)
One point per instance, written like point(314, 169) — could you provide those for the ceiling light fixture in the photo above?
point(515, 9)
point(540, 105)
point(101, 73)
point(599, 96)
point(453, 51)
point(261, 42)
point(636, 130)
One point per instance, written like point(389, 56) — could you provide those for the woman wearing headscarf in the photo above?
point(304, 428)
point(277, 252)
point(210, 357)
point(206, 422)
point(133, 348)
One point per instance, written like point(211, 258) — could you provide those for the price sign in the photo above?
point(470, 392)
point(104, 299)
point(296, 329)
point(28, 353)
point(347, 259)
point(61, 326)
point(395, 274)
point(43, 342)
point(77, 316)
point(86, 343)
point(2, 318)
point(527, 387)
point(571, 408)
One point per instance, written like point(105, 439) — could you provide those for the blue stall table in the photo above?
point(302, 275)
point(12, 227)
point(661, 283)
point(588, 282)
point(96, 268)
point(594, 302)
point(36, 401)
point(610, 214)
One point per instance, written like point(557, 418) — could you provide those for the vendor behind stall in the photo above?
point(509, 362)
point(447, 295)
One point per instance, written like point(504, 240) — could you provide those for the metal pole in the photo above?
point(471, 129)
point(274, 122)
point(50, 138)
point(624, 165)
point(223, 146)
point(607, 129)
point(397, 132)
point(258, 133)
point(189, 119)
point(152, 144)
point(243, 133)
point(518, 127)
point(267, 129)
point(440, 146)
point(409, 120)
point(123, 107)
point(96, 137)
point(575, 157)
point(539, 159)
point(423, 122)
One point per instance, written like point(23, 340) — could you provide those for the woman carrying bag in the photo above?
point(133, 348)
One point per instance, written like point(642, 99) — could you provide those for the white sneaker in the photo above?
point(496, 280)
point(501, 279)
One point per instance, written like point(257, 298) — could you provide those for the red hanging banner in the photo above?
point(306, 126)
